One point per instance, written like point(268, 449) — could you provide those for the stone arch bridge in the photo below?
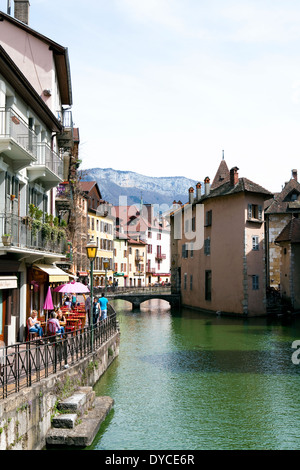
point(137, 299)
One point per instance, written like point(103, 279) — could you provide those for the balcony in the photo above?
point(160, 256)
point(17, 140)
point(150, 270)
point(48, 168)
point(66, 138)
point(63, 196)
point(23, 235)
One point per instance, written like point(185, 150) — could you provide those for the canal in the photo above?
point(186, 380)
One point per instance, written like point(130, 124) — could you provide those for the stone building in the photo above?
point(278, 213)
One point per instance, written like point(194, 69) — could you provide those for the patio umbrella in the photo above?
point(48, 304)
point(72, 288)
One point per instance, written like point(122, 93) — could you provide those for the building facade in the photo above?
point(34, 88)
point(101, 231)
point(218, 248)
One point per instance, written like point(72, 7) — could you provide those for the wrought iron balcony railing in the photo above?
point(16, 135)
point(27, 234)
point(50, 159)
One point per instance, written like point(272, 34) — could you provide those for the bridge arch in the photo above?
point(137, 299)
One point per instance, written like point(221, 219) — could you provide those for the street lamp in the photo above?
point(91, 251)
point(106, 266)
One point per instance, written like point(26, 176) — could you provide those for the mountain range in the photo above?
point(116, 184)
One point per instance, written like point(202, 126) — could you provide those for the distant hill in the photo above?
point(114, 184)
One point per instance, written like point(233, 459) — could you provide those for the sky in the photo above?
point(162, 87)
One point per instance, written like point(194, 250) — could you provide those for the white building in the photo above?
point(34, 87)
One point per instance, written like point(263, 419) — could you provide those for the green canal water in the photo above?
point(186, 380)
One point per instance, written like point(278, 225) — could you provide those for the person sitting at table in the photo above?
point(53, 325)
point(34, 324)
point(61, 318)
point(67, 302)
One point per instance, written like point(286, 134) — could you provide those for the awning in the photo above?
point(8, 282)
point(55, 274)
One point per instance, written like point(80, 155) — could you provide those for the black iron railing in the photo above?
point(24, 364)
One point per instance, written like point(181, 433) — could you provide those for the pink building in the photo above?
point(217, 246)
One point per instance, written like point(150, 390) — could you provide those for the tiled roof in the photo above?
point(282, 202)
point(222, 175)
point(243, 185)
point(290, 233)
point(86, 185)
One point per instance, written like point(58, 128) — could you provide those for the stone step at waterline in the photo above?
point(64, 421)
point(83, 434)
point(73, 403)
point(81, 420)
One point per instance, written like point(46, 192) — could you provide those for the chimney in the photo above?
point(22, 10)
point(234, 176)
point(191, 195)
point(207, 186)
point(198, 191)
point(294, 175)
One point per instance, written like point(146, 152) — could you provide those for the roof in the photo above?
point(23, 87)
point(290, 233)
point(222, 175)
point(282, 201)
point(60, 54)
point(243, 185)
point(87, 186)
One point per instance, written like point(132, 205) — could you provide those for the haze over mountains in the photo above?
point(114, 184)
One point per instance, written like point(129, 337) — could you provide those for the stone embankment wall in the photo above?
point(25, 417)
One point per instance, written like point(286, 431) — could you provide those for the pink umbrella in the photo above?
point(48, 304)
point(72, 288)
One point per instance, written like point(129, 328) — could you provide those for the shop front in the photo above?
point(9, 304)
point(40, 277)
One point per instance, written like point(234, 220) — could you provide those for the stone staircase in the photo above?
point(78, 419)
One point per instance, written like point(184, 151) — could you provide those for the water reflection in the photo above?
point(186, 380)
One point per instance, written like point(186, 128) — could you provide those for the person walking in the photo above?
point(88, 308)
point(96, 311)
point(103, 306)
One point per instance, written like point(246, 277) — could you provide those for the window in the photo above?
point(159, 236)
point(254, 212)
point(255, 282)
point(207, 246)
point(184, 251)
point(207, 285)
point(184, 281)
point(192, 250)
point(149, 250)
point(208, 218)
point(255, 243)
point(191, 282)
point(149, 234)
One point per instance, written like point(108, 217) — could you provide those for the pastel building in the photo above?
point(218, 246)
point(101, 230)
point(35, 90)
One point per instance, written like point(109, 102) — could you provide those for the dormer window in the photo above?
point(294, 197)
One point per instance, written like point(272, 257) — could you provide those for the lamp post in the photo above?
point(91, 251)
point(106, 266)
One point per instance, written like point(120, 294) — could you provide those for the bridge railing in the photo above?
point(166, 289)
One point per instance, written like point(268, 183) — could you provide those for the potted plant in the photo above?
point(6, 239)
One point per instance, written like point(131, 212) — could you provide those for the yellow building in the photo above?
point(101, 230)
